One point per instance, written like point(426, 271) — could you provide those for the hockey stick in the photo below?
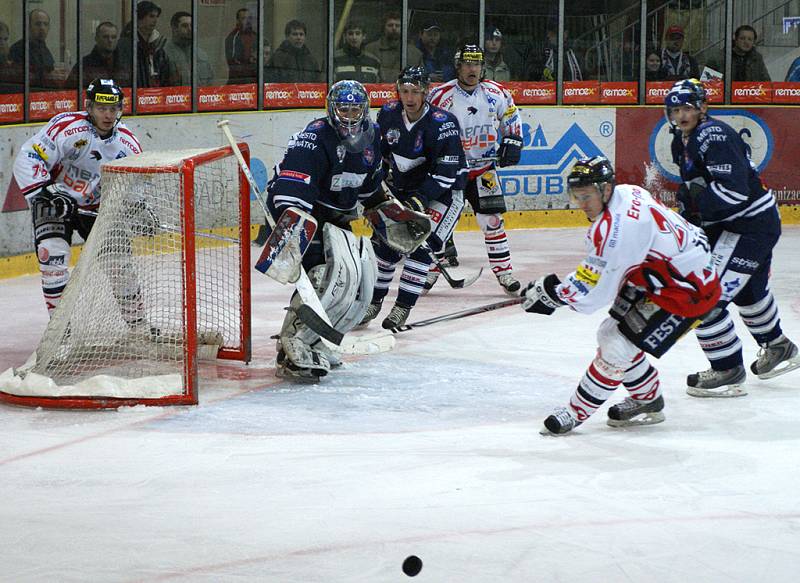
point(376, 338)
point(454, 283)
point(321, 324)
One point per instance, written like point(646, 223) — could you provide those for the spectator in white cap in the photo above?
point(495, 67)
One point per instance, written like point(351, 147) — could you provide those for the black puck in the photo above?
point(412, 565)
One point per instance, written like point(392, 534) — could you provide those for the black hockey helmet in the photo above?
point(104, 92)
point(414, 75)
point(594, 171)
point(469, 53)
point(685, 92)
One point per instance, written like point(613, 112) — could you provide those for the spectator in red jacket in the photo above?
point(241, 50)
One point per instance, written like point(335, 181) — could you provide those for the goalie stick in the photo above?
point(354, 345)
point(321, 324)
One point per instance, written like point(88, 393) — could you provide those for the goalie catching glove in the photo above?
point(540, 295)
point(401, 226)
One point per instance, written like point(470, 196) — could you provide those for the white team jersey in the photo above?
point(638, 240)
point(68, 151)
point(481, 114)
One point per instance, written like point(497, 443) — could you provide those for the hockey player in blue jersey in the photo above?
point(722, 192)
point(328, 168)
point(422, 146)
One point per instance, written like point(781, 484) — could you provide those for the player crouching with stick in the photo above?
point(658, 271)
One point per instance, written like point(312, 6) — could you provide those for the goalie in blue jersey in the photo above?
point(328, 169)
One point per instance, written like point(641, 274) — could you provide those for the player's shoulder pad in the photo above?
point(492, 87)
point(317, 126)
point(68, 124)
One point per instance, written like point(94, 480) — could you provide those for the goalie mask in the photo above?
point(348, 112)
point(104, 97)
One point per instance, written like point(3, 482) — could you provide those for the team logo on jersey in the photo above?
point(587, 275)
point(39, 150)
point(96, 155)
point(472, 110)
point(315, 125)
point(340, 152)
point(80, 144)
point(121, 154)
point(439, 115)
point(369, 155)
point(393, 136)
point(418, 144)
point(488, 181)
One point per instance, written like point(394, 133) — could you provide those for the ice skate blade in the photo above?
point(547, 433)
point(724, 392)
point(790, 365)
point(307, 376)
point(641, 419)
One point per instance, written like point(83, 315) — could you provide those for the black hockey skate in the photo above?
point(559, 422)
point(397, 317)
point(630, 412)
point(717, 383)
point(776, 358)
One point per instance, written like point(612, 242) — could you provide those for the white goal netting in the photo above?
point(162, 280)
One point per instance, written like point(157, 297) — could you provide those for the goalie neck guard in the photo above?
point(347, 104)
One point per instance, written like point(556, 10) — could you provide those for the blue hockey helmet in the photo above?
point(348, 112)
point(685, 92)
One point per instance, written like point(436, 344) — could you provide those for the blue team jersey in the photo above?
point(734, 196)
point(318, 170)
point(426, 157)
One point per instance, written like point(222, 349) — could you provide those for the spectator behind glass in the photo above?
point(747, 63)
point(543, 62)
point(103, 62)
point(241, 46)
point(9, 72)
point(387, 48)
point(793, 74)
point(152, 67)
point(179, 53)
point(437, 60)
point(41, 59)
point(652, 65)
point(351, 61)
point(676, 64)
point(495, 66)
point(292, 62)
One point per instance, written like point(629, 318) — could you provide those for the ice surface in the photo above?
point(432, 449)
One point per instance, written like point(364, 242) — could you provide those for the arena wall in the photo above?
point(636, 139)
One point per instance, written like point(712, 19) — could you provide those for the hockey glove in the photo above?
point(143, 220)
point(52, 203)
point(414, 201)
point(540, 295)
point(688, 201)
point(510, 151)
point(401, 228)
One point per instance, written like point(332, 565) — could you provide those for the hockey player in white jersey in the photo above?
point(658, 271)
point(490, 129)
point(58, 170)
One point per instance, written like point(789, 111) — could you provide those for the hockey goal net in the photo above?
point(162, 281)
